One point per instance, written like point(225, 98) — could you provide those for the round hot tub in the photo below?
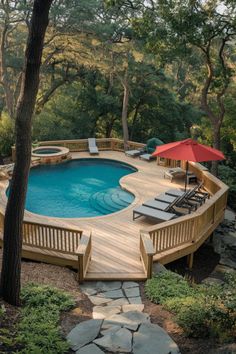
point(50, 154)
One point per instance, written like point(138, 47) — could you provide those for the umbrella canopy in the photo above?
point(189, 150)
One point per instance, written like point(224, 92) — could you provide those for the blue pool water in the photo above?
point(78, 188)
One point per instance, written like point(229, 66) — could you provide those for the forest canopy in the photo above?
point(172, 62)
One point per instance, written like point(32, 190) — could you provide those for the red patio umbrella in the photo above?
point(188, 150)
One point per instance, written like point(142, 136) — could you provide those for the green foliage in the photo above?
point(228, 176)
point(202, 311)
point(6, 134)
point(38, 329)
point(166, 286)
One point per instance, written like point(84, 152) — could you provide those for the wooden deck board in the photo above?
point(115, 237)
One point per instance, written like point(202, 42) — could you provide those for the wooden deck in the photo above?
point(115, 237)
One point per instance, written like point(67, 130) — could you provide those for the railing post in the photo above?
point(146, 252)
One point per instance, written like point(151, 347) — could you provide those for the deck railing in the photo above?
point(60, 240)
point(170, 240)
point(146, 253)
point(191, 230)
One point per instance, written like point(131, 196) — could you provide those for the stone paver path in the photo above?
point(119, 324)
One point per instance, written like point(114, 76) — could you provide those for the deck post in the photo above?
point(190, 260)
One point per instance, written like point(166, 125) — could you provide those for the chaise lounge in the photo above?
point(93, 150)
point(143, 210)
point(133, 153)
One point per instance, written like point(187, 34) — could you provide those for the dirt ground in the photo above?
point(204, 262)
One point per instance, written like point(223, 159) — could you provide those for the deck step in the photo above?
point(116, 276)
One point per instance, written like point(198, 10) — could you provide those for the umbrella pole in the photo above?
point(186, 177)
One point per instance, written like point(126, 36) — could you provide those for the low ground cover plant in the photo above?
point(38, 329)
point(202, 311)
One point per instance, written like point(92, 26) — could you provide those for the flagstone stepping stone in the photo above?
point(129, 284)
point(90, 349)
point(135, 300)
point(118, 342)
point(89, 288)
point(84, 333)
point(132, 292)
point(108, 286)
point(133, 307)
point(112, 329)
point(130, 320)
point(119, 302)
point(113, 294)
point(151, 338)
point(101, 312)
point(97, 300)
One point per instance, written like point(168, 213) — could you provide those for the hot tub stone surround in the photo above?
point(63, 154)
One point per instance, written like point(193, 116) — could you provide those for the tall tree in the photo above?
point(207, 28)
point(12, 244)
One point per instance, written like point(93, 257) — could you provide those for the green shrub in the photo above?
point(38, 329)
point(228, 176)
point(193, 318)
point(201, 310)
point(6, 134)
point(34, 295)
point(167, 286)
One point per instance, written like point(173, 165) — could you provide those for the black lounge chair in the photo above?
point(133, 153)
point(143, 210)
point(195, 194)
point(147, 157)
point(178, 202)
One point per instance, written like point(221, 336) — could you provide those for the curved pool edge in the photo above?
point(122, 182)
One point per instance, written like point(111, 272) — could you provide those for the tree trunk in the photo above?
point(216, 145)
point(125, 112)
point(12, 244)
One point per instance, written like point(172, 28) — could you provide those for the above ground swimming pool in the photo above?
point(78, 188)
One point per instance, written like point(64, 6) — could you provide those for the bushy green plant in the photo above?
point(201, 310)
point(228, 176)
point(34, 295)
point(6, 134)
point(38, 329)
point(167, 286)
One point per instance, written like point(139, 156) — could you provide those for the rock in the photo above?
point(118, 342)
point(108, 286)
point(226, 349)
point(221, 270)
point(84, 333)
point(130, 320)
point(133, 307)
point(77, 311)
point(151, 338)
point(112, 329)
point(229, 215)
point(129, 284)
point(89, 288)
point(113, 294)
point(119, 302)
point(212, 281)
point(158, 268)
point(132, 292)
point(97, 300)
point(101, 312)
point(135, 300)
point(90, 349)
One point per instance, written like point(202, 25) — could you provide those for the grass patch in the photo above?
point(38, 329)
point(202, 311)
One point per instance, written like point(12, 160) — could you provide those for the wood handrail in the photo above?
point(146, 253)
point(84, 251)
